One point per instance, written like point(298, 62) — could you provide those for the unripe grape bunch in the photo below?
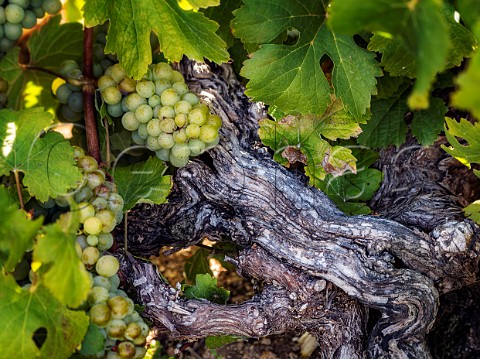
point(16, 15)
point(161, 112)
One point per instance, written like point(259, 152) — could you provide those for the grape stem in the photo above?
point(93, 146)
point(19, 189)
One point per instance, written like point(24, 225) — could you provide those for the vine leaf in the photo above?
point(47, 161)
point(180, 32)
point(290, 77)
point(206, 288)
point(48, 47)
point(94, 341)
point(197, 264)
point(420, 25)
point(16, 232)
point(304, 139)
point(223, 15)
point(197, 4)
point(468, 153)
point(143, 182)
point(24, 312)
point(62, 270)
point(427, 124)
point(470, 11)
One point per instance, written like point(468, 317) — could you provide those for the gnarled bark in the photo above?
point(237, 191)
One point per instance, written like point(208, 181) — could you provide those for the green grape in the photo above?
point(84, 194)
point(167, 125)
point(92, 225)
point(124, 104)
point(92, 240)
point(214, 121)
point(108, 220)
point(137, 139)
point(196, 147)
point(51, 6)
point(162, 70)
point(85, 210)
point(208, 133)
point(161, 85)
point(134, 317)
point(117, 73)
point(182, 107)
point(203, 108)
point(176, 77)
point(14, 13)
point(12, 31)
point(90, 256)
point(102, 191)
point(63, 93)
point(145, 88)
point(113, 355)
point(98, 51)
point(67, 66)
point(130, 121)
point(82, 241)
point(133, 331)
point(23, 3)
point(101, 281)
point(127, 85)
point(111, 186)
point(178, 161)
point(115, 280)
point(197, 116)
point(39, 12)
point(165, 140)
point(48, 204)
point(163, 154)
point(140, 352)
point(105, 82)
point(111, 95)
point(98, 294)
point(6, 44)
point(154, 101)
point(126, 350)
point(75, 101)
point(144, 327)
point(191, 98)
point(3, 18)
point(144, 113)
point(180, 150)
point(166, 111)
point(107, 266)
point(87, 164)
point(30, 19)
point(152, 143)
point(118, 307)
point(69, 115)
point(116, 329)
point(180, 87)
point(100, 314)
point(134, 100)
point(180, 136)
point(181, 119)
point(95, 178)
point(105, 241)
point(140, 341)
point(115, 202)
point(192, 130)
point(115, 110)
point(121, 293)
point(153, 127)
point(169, 97)
point(215, 142)
point(142, 131)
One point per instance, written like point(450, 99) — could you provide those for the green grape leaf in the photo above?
point(24, 312)
point(387, 125)
point(47, 161)
point(62, 271)
point(387, 86)
point(197, 4)
point(180, 32)
point(472, 211)
point(17, 232)
point(93, 342)
point(466, 153)
point(466, 97)
point(217, 341)
point(223, 15)
point(72, 10)
point(206, 288)
point(469, 10)
point(290, 77)
point(143, 182)
point(197, 264)
point(303, 139)
point(420, 25)
point(49, 46)
point(427, 124)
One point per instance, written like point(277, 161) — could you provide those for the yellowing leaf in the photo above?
point(466, 153)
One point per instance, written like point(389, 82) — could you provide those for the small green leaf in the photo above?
point(469, 11)
point(197, 4)
point(223, 14)
point(93, 342)
point(180, 32)
point(143, 182)
point(24, 312)
point(217, 341)
point(427, 124)
point(62, 270)
point(290, 77)
point(47, 161)
point(17, 232)
point(466, 153)
point(206, 288)
point(472, 211)
point(197, 264)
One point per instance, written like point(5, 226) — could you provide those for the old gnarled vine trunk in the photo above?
point(322, 270)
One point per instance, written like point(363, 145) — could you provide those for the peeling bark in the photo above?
point(236, 191)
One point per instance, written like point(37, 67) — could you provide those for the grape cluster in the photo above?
point(100, 210)
point(16, 15)
point(3, 93)
point(69, 96)
point(161, 112)
point(101, 60)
